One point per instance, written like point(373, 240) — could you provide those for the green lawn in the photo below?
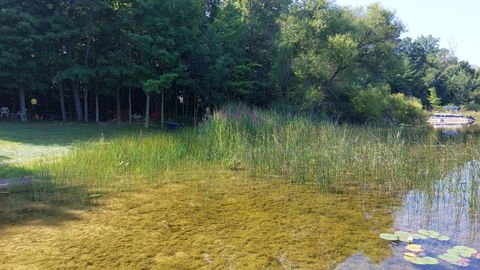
point(26, 144)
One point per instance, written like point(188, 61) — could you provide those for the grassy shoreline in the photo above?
point(263, 143)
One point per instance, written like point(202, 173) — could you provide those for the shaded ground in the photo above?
point(23, 145)
point(227, 222)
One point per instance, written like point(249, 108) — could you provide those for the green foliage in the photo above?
point(433, 98)
point(19, 41)
point(472, 106)
point(370, 104)
point(377, 105)
point(343, 50)
point(406, 110)
point(316, 56)
point(163, 83)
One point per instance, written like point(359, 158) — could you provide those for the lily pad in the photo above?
point(388, 236)
point(443, 238)
point(464, 262)
point(402, 234)
point(95, 195)
point(430, 260)
point(419, 236)
point(424, 232)
point(450, 257)
point(414, 248)
point(410, 254)
point(429, 233)
point(421, 260)
point(404, 239)
point(433, 234)
point(463, 251)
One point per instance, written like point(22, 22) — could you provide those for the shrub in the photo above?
point(472, 106)
point(377, 105)
point(406, 110)
point(369, 104)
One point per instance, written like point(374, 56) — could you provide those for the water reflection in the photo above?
point(450, 207)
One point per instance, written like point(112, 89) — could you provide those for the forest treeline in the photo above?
point(101, 59)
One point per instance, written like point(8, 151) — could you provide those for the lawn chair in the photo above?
point(4, 112)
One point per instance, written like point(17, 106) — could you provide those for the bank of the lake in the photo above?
point(247, 189)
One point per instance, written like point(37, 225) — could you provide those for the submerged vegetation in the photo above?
point(226, 194)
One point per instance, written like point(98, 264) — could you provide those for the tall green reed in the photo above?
point(269, 143)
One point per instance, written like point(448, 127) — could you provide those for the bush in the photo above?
point(406, 110)
point(369, 104)
point(472, 106)
point(377, 105)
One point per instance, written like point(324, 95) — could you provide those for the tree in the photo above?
point(338, 51)
point(161, 85)
point(19, 41)
point(433, 98)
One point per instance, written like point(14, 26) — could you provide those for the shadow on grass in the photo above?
point(39, 201)
point(62, 134)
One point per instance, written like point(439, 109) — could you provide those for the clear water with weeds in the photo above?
point(248, 189)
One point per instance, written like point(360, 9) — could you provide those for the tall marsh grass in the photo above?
point(269, 143)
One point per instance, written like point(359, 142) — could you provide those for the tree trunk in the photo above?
point(97, 111)
point(195, 110)
point(117, 99)
point(107, 97)
point(129, 105)
point(77, 101)
point(23, 108)
point(162, 111)
point(85, 103)
point(61, 93)
point(147, 111)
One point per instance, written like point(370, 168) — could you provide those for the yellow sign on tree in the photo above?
point(34, 101)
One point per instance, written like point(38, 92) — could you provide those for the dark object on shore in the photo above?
point(174, 125)
point(15, 185)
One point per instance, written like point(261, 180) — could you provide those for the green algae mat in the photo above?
point(221, 223)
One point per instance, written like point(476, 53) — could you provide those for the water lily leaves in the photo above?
point(414, 248)
point(421, 260)
point(430, 260)
point(419, 236)
point(404, 239)
point(430, 233)
point(462, 251)
point(410, 254)
point(433, 234)
point(388, 236)
point(95, 195)
point(402, 234)
point(443, 238)
point(422, 231)
point(450, 257)
point(463, 263)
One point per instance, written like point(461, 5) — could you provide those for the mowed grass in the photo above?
point(23, 145)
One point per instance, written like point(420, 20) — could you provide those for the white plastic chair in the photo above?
point(4, 112)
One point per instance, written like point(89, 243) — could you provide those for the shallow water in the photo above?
point(229, 220)
point(451, 208)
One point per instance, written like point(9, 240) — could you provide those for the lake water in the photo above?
point(231, 220)
point(451, 208)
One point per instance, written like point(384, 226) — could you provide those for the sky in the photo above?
point(455, 22)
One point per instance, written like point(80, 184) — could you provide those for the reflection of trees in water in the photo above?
point(451, 206)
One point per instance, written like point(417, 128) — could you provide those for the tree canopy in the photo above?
point(189, 56)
